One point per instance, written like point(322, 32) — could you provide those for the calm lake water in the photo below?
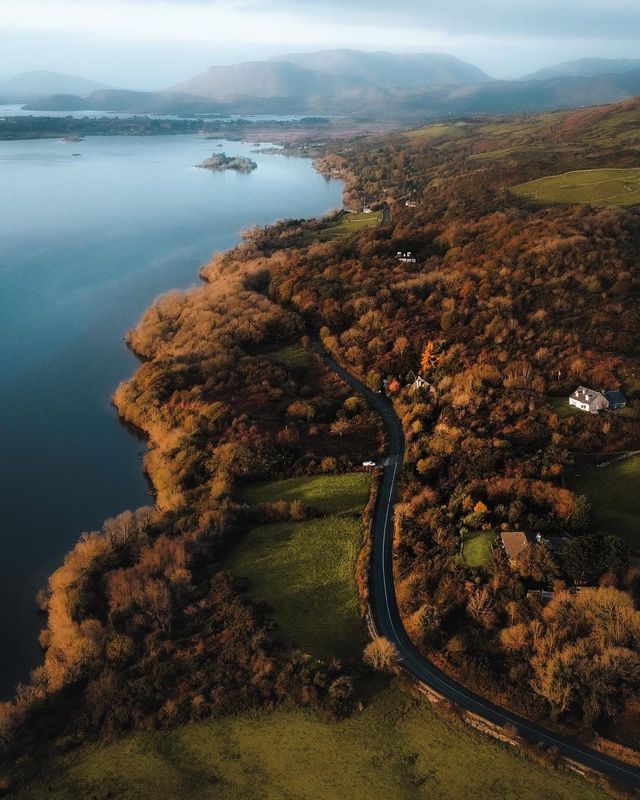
point(86, 243)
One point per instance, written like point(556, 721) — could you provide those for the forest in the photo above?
point(506, 306)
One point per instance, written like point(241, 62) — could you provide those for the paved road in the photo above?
point(388, 623)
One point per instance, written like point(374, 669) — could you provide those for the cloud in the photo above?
point(553, 19)
point(534, 18)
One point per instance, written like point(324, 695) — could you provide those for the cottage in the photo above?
point(514, 542)
point(588, 400)
point(593, 401)
point(421, 385)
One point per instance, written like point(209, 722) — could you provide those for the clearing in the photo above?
point(306, 570)
point(477, 547)
point(348, 224)
point(328, 494)
point(293, 356)
point(598, 187)
point(613, 492)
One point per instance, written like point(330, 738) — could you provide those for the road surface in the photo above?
point(388, 623)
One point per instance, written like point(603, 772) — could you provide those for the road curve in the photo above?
point(387, 617)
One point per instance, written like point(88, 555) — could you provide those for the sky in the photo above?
point(153, 44)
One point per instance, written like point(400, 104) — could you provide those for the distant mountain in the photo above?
point(265, 79)
point(129, 102)
point(389, 70)
point(585, 68)
point(510, 97)
point(281, 87)
point(30, 85)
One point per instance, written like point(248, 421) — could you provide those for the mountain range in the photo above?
point(348, 82)
point(36, 84)
point(585, 68)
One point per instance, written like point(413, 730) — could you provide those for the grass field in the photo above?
point(614, 492)
point(396, 749)
point(306, 570)
point(292, 356)
point(476, 547)
point(349, 224)
point(329, 494)
point(561, 407)
point(599, 187)
point(439, 130)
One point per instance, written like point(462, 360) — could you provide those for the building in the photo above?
point(514, 542)
point(588, 400)
point(421, 385)
point(593, 401)
point(616, 400)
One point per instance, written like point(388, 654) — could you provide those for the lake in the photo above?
point(86, 242)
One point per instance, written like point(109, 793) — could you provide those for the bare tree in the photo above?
point(381, 655)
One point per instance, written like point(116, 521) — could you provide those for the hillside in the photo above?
point(271, 79)
point(127, 101)
point(585, 68)
point(29, 85)
point(389, 70)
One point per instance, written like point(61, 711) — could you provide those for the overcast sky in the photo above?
point(152, 44)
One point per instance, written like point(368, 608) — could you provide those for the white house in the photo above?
point(421, 385)
point(593, 401)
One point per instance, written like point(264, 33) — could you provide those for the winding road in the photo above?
point(387, 620)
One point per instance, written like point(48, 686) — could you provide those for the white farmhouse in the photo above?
point(588, 400)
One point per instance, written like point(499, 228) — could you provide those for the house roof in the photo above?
point(615, 397)
point(591, 397)
point(514, 542)
point(586, 395)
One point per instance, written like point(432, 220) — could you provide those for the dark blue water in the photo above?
point(86, 243)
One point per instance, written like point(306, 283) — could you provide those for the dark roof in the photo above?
point(616, 397)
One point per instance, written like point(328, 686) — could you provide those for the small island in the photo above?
point(220, 162)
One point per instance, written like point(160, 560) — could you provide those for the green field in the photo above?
point(561, 407)
point(599, 187)
point(329, 494)
point(440, 130)
point(349, 224)
point(614, 492)
point(305, 571)
point(396, 749)
point(476, 547)
point(292, 356)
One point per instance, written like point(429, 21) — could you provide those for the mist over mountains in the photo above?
point(346, 82)
point(38, 83)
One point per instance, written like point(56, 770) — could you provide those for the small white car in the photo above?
point(368, 463)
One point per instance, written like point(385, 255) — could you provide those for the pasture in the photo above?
point(615, 498)
point(598, 187)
